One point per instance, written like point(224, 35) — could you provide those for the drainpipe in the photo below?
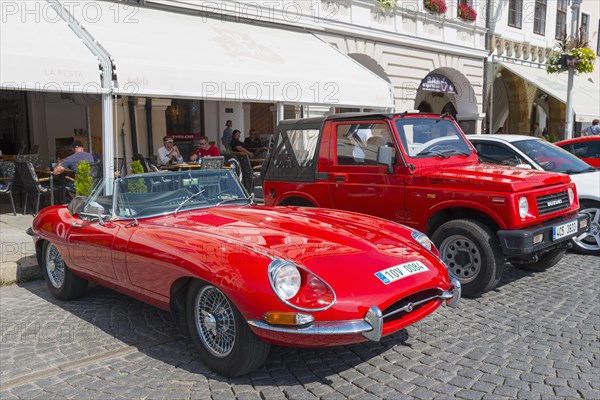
point(107, 91)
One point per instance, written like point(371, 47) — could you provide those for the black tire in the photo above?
point(545, 261)
point(589, 242)
point(472, 253)
point(223, 339)
point(62, 283)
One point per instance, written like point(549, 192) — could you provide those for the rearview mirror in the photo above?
point(95, 210)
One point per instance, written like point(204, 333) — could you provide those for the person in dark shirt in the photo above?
point(253, 142)
point(237, 145)
point(79, 154)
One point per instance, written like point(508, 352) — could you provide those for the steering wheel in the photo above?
point(548, 165)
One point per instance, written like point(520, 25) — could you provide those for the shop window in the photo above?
point(425, 107)
point(585, 26)
point(449, 109)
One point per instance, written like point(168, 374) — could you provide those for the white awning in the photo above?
point(166, 54)
point(40, 52)
point(586, 98)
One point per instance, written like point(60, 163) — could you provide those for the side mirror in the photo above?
point(76, 205)
point(384, 156)
point(95, 209)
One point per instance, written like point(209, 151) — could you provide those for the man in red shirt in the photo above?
point(205, 149)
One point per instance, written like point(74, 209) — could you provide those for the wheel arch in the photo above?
point(448, 214)
point(298, 200)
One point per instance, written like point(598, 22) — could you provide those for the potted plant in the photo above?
point(436, 6)
point(137, 185)
point(571, 52)
point(83, 179)
point(466, 13)
point(387, 5)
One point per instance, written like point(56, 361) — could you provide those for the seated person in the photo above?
point(253, 142)
point(169, 153)
point(205, 150)
point(79, 154)
point(237, 145)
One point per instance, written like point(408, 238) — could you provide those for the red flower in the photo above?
point(466, 12)
point(437, 6)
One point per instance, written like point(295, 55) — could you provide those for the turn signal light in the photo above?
point(538, 238)
point(288, 318)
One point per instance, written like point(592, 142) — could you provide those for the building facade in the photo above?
point(167, 79)
point(523, 34)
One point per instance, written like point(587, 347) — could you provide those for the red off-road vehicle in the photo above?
point(419, 170)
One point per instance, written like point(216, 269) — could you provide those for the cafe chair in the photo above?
point(247, 172)
point(7, 177)
point(34, 185)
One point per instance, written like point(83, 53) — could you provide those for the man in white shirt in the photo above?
point(169, 151)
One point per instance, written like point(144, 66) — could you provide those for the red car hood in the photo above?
point(322, 240)
point(492, 177)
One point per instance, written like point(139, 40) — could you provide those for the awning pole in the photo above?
point(107, 90)
point(571, 72)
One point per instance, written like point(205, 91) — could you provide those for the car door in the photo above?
point(356, 181)
point(91, 244)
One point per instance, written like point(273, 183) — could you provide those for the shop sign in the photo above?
point(438, 83)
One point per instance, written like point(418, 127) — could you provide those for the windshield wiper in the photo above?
point(201, 191)
point(247, 200)
point(454, 151)
point(435, 153)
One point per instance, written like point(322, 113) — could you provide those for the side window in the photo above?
point(358, 144)
point(589, 149)
point(497, 154)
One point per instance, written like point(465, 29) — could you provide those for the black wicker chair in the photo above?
point(7, 178)
point(34, 185)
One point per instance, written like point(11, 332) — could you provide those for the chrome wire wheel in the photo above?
point(462, 257)
point(590, 240)
point(215, 321)
point(55, 266)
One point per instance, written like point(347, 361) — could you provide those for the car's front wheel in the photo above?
point(225, 342)
point(545, 261)
point(589, 242)
point(62, 283)
point(472, 253)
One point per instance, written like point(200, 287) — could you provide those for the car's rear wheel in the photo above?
point(545, 261)
point(589, 242)
point(472, 253)
point(62, 283)
point(225, 342)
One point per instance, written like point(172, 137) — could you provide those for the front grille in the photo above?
point(426, 296)
point(552, 202)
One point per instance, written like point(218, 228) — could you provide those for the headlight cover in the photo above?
point(523, 207)
point(424, 241)
point(285, 279)
point(571, 195)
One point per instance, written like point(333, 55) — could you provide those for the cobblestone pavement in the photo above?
point(535, 336)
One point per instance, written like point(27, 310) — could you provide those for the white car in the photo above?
point(531, 152)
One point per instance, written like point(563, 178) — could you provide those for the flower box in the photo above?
point(436, 6)
point(466, 13)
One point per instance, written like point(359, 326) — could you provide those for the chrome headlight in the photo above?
point(523, 207)
point(423, 240)
point(285, 279)
point(571, 195)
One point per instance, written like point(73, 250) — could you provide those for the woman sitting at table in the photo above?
point(237, 145)
point(205, 150)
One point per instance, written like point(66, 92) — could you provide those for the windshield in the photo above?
point(551, 157)
point(152, 194)
point(430, 137)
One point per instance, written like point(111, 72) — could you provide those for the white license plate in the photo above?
point(563, 230)
point(397, 272)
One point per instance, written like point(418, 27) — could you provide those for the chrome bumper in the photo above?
point(370, 327)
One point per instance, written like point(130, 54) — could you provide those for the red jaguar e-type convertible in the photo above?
point(240, 276)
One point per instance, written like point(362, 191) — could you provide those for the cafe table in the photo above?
point(179, 167)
